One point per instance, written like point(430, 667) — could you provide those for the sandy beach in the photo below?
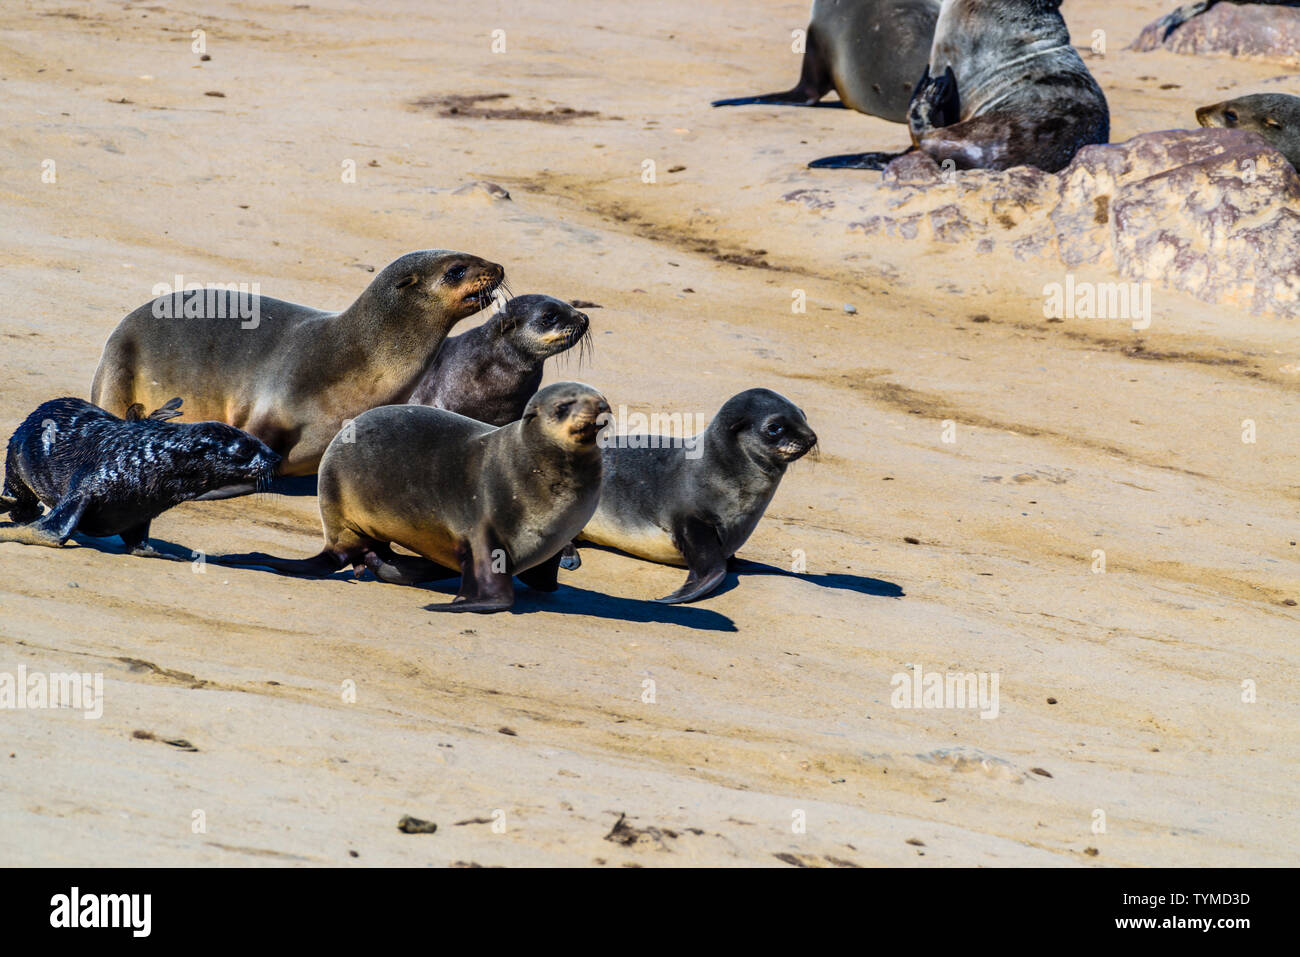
point(975, 460)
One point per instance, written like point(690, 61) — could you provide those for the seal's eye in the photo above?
point(548, 320)
point(562, 410)
point(1230, 116)
point(456, 273)
point(774, 430)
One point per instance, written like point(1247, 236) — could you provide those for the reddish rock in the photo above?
point(1253, 31)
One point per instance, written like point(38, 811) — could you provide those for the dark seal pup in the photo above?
point(490, 372)
point(101, 475)
point(870, 52)
point(1003, 88)
point(289, 374)
point(489, 502)
point(1160, 30)
point(1274, 116)
point(671, 505)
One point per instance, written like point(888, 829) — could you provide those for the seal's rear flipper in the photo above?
point(701, 546)
point(404, 569)
point(814, 81)
point(795, 97)
point(318, 566)
point(696, 586)
point(875, 161)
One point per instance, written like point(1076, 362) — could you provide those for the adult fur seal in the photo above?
point(292, 375)
point(101, 475)
point(667, 504)
point(1176, 18)
point(490, 372)
point(870, 52)
point(489, 502)
point(1274, 116)
point(1003, 88)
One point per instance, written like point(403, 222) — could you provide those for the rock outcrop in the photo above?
point(1253, 31)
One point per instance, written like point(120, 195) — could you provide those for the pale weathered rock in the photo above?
point(1253, 31)
point(1212, 212)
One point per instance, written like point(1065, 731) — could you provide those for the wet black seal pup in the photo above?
point(490, 372)
point(101, 475)
point(696, 501)
point(465, 496)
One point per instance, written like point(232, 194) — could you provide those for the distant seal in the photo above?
point(490, 372)
point(1159, 31)
point(671, 505)
point(1003, 88)
point(488, 502)
point(293, 374)
point(1274, 116)
point(870, 52)
point(101, 475)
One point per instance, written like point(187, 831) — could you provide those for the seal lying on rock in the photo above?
point(489, 502)
point(1274, 116)
point(663, 502)
point(101, 475)
point(490, 372)
point(1003, 88)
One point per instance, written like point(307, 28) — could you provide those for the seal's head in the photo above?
point(1274, 116)
point(217, 456)
point(569, 414)
point(541, 326)
point(447, 283)
point(766, 427)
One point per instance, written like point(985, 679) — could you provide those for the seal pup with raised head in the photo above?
point(101, 475)
point(292, 375)
point(1003, 88)
point(488, 502)
point(662, 502)
point(1274, 116)
point(490, 372)
point(870, 52)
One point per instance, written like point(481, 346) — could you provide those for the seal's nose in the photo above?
point(1203, 115)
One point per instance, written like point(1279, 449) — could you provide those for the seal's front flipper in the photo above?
point(570, 560)
point(318, 566)
point(136, 540)
point(935, 104)
point(701, 545)
point(53, 528)
point(875, 161)
point(544, 577)
point(485, 582)
point(814, 82)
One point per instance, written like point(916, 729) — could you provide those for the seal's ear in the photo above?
point(170, 410)
point(135, 413)
point(408, 281)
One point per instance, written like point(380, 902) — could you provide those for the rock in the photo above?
point(1251, 31)
point(1211, 212)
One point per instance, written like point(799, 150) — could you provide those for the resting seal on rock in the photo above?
point(1274, 116)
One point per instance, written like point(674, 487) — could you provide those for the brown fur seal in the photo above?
point(1003, 88)
point(101, 475)
point(490, 372)
point(1160, 30)
point(292, 375)
point(870, 52)
point(489, 502)
point(663, 502)
point(1274, 116)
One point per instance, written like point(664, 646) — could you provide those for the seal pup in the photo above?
point(463, 495)
point(870, 52)
point(1171, 21)
point(1274, 116)
point(664, 503)
point(292, 375)
point(490, 372)
point(101, 475)
point(1003, 88)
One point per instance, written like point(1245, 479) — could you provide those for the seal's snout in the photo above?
point(588, 414)
point(1217, 114)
